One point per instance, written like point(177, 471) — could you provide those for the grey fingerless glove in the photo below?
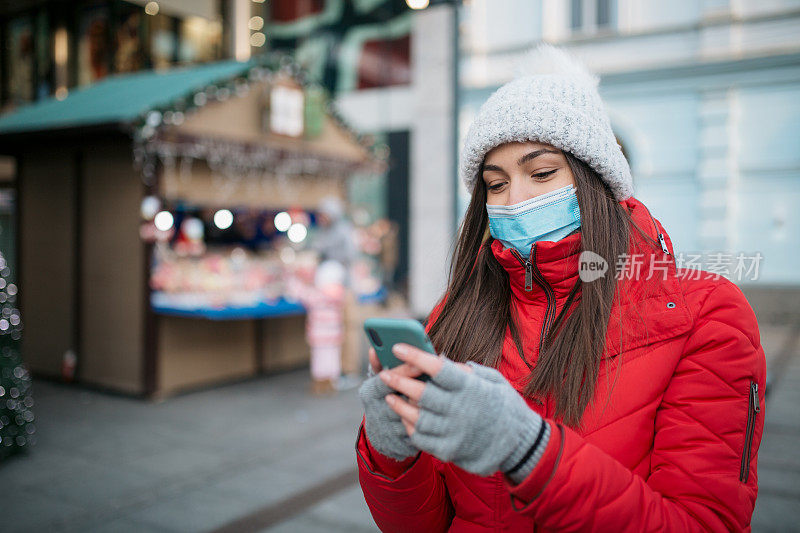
point(479, 422)
point(382, 425)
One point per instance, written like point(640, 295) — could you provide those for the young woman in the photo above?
point(583, 382)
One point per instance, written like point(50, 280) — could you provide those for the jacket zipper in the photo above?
point(661, 240)
point(752, 408)
point(532, 273)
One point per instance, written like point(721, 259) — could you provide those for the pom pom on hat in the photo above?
point(548, 59)
point(553, 99)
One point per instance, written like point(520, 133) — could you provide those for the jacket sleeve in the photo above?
point(700, 476)
point(413, 497)
point(408, 495)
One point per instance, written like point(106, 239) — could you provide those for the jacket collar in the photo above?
point(652, 283)
point(553, 267)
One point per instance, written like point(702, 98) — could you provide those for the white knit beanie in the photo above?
point(553, 99)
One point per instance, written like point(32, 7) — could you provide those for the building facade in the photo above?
point(704, 97)
point(51, 47)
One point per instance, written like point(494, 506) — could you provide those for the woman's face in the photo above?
point(517, 171)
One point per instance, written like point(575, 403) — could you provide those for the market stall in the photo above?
point(181, 260)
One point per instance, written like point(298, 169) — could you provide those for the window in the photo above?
point(129, 52)
point(603, 13)
point(200, 40)
point(590, 16)
point(20, 56)
point(163, 30)
point(93, 44)
point(576, 14)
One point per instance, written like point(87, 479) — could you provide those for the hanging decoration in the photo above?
point(234, 161)
point(151, 149)
point(284, 109)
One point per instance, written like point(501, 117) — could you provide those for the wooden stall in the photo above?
point(222, 136)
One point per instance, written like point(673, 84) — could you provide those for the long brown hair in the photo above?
point(476, 313)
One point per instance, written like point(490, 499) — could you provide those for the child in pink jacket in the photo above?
point(324, 303)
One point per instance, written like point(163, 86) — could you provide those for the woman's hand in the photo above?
point(415, 386)
point(383, 427)
point(374, 364)
point(468, 414)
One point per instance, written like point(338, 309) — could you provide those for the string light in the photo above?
point(163, 220)
point(151, 8)
point(256, 23)
point(282, 221)
point(297, 232)
point(417, 4)
point(148, 147)
point(258, 39)
point(223, 219)
point(17, 430)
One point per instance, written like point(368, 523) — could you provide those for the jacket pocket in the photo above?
point(753, 408)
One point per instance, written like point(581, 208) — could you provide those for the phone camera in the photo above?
point(374, 336)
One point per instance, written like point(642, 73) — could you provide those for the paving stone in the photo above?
point(346, 512)
point(204, 459)
point(26, 510)
point(776, 514)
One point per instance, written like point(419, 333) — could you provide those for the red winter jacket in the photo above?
point(669, 442)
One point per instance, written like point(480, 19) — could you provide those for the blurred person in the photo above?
point(324, 303)
point(389, 254)
point(334, 239)
point(570, 391)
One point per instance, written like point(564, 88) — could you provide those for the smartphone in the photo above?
point(383, 333)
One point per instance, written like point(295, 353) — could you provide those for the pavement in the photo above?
point(778, 502)
point(241, 457)
point(265, 455)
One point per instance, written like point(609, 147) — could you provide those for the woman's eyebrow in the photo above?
point(524, 159)
point(534, 154)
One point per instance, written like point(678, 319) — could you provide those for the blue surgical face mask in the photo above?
point(547, 217)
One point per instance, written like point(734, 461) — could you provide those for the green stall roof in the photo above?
point(119, 98)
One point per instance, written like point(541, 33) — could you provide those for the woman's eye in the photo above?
point(543, 174)
point(495, 186)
